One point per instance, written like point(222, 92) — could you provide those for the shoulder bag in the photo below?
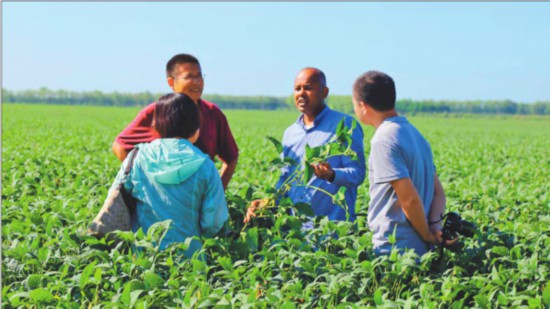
point(117, 209)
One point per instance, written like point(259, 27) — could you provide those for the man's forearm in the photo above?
point(227, 171)
point(415, 214)
point(119, 151)
point(437, 209)
point(411, 204)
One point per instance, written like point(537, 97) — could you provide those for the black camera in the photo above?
point(454, 225)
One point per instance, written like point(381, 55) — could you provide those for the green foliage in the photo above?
point(339, 145)
point(57, 168)
point(339, 102)
point(446, 107)
point(63, 97)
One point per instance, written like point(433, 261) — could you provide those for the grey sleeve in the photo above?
point(388, 163)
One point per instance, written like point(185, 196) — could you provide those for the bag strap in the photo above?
point(132, 155)
point(129, 200)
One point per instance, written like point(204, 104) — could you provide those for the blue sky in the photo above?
point(456, 51)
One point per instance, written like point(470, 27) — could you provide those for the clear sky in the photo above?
point(456, 51)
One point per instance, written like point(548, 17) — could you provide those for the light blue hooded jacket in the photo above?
point(172, 179)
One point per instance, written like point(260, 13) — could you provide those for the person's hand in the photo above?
point(323, 171)
point(431, 238)
point(438, 234)
point(250, 212)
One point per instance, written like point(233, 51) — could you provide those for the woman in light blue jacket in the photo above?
point(173, 180)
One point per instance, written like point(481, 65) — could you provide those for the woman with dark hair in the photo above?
point(172, 179)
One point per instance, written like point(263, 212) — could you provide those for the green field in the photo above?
point(57, 167)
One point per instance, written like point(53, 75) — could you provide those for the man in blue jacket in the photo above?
point(316, 126)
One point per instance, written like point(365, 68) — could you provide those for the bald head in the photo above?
point(313, 74)
point(310, 92)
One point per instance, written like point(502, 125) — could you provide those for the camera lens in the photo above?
point(467, 229)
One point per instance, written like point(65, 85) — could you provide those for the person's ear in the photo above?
point(325, 92)
point(365, 108)
point(170, 81)
point(193, 139)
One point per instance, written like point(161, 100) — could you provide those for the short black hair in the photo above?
point(376, 89)
point(176, 115)
point(179, 59)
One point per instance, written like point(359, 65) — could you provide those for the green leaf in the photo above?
point(290, 161)
point(125, 236)
point(145, 263)
point(353, 125)
point(251, 238)
point(535, 302)
point(313, 153)
point(86, 274)
point(41, 295)
point(5, 290)
point(134, 296)
point(336, 149)
point(546, 294)
point(130, 287)
point(152, 280)
point(97, 275)
point(158, 230)
point(198, 265)
point(378, 297)
point(393, 238)
point(226, 263)
point(340, 128)
point(341, 195)
point(308, 172)
point(276, 143)
point(308, 153)
point(502, 300)
point(223, 302)
point(482, 300)
point(14, 298)
point(349, 141)
point(500, 250)
point(33, 281)
point(293, 222)
point(207, 304)
point(351, 253)
point(304, 209)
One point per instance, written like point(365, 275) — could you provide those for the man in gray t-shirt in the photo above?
point(404, 188)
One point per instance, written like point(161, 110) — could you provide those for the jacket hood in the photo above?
point(169, 160)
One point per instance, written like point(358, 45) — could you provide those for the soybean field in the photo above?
point(57, 167)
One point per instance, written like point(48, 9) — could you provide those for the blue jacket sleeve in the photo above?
point(352, 174)
point(214, 207)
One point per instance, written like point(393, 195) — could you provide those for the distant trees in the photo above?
point(339, 102)
point(63, 97)
point(248, 102)
point(409, 106)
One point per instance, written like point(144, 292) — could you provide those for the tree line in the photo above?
point(338, 102)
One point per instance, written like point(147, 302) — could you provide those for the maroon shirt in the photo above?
point(215, 136)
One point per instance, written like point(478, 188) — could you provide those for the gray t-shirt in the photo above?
point(398, 151)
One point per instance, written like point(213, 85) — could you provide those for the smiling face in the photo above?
point(310, 91)
point(187, 78)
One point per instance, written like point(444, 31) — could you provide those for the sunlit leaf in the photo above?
point(276, 143)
